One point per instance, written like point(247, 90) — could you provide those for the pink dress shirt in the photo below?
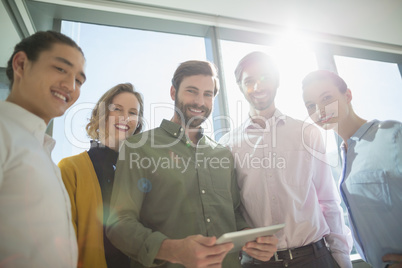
point(283, 178)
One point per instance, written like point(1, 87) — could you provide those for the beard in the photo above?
point(190, 121)
point(262, 105)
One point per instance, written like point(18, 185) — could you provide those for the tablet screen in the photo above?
point(240, 238)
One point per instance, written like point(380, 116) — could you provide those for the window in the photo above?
point(375, 85)
point(116, 55)
point(4, 84)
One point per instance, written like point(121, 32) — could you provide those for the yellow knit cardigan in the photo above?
point(85, 194)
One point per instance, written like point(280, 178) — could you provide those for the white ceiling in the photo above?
point(373, 20)
point(366, 20)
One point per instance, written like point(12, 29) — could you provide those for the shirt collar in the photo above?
point(278, 118)
point(362, 130)
point(107, 154)
point(31, 122)
point(178, 132)
point(173, 129)
point(358, 134)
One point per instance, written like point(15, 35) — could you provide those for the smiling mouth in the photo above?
point(60, 96)
point(122, 127)
point(326, 119)
point(259, 96)
point(196, 111)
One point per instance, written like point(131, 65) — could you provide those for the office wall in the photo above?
point(363, 23)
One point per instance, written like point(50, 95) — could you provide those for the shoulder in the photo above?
point(214, 144)
point(390, 125)
point(146, 136)
point(390, 128)
point(233, 135)
point(304, 131)
point(75, 161)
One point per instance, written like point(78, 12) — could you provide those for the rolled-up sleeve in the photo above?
point(123, 226)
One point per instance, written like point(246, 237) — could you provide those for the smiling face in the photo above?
point(193, 100)
point(123, 118)
point(48, 86)
point(259, 86)
point(326, 105)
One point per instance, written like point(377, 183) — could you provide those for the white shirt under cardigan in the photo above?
point(35, 213)
point(283, 178)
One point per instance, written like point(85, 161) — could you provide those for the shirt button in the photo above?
point(175, 134)
point(203, 191)
point(198, 164)
point(208, 220)
point(181, 129)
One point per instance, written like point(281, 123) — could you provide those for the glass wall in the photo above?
point(376, 87)
point(116, 55)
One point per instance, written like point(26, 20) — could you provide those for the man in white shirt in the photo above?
point(282, 182)
point(46, 72)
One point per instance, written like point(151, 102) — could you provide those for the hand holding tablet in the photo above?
point(240, 238)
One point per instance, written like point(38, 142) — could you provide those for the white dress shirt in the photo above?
point(35, 213)
point(283, 178)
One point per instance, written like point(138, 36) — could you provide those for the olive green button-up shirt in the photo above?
point(165, 187)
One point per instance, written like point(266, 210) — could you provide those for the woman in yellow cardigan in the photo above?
point(89, 176)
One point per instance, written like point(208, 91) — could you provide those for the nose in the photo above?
point(199, 100)
point(69, 82)
point(258, 85)
point(320, 110)
point(126, 117)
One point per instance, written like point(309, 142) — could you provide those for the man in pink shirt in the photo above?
point(282, 179)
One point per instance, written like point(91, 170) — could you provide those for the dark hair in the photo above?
point(101, 111)
point(321, 75)
point(36, 44)
point(256, 57)
point(195, 67)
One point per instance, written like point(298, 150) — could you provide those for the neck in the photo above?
point(13, 98)
point(112, 145)
point(348, 127)
point(260, 116)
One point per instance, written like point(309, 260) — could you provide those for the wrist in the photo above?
point(168, 250)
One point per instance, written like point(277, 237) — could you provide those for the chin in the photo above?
point(328, 126)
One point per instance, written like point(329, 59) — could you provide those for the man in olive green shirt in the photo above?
point(175, 189)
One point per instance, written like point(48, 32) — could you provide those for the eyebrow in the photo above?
point(322, 94)
point(196, 88)
point(65, 61)
point(257, 76)
point(325, 92)
point(132, 108)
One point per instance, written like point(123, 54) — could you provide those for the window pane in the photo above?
point(117, 55)
point(376, 87)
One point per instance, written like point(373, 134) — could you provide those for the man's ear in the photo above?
point(19, 62)
point(348, 95)
point(173, 93)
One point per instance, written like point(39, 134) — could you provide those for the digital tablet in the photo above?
point(240, 238)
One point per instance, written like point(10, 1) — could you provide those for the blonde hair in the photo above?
point(101, 111)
